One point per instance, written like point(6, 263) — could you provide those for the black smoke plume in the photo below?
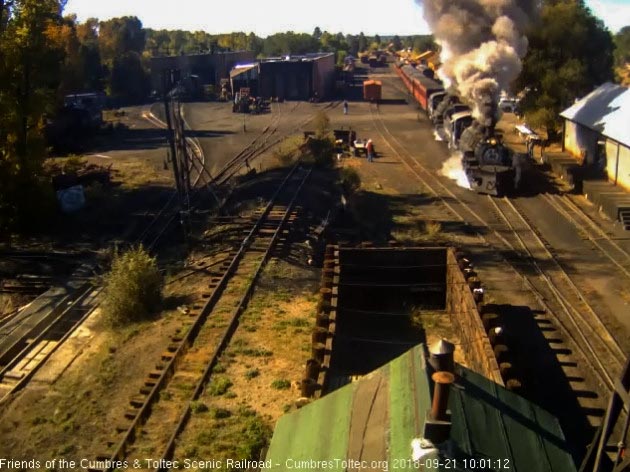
point(482, 43)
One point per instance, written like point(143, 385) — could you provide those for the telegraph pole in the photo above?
point(167, 83)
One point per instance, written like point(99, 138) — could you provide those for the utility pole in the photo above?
point(177, 146)
point(167, 83)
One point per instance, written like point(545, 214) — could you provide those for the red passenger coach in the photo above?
point(419, 84)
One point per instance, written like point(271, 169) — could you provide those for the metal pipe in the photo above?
point(442, 380)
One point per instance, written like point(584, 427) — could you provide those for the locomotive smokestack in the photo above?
point(482, 45)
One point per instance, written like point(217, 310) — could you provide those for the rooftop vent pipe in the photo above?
point(443, 381)
point(441, 356)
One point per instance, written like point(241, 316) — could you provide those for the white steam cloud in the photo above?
point(482, 44)
point(454, 170)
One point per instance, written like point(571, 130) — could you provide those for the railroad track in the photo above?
point(606, 245)
point(253, 149)
point(263, 142)
point(564, 308)
point(30, 353)
point(186, 365)
point(561, 296)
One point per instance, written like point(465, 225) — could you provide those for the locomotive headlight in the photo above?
point(493, 141)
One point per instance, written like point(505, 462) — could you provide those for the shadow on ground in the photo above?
point(535, 359)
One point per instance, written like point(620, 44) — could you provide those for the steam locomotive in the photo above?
point(490, 166)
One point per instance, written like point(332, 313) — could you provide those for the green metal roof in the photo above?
point(372, 421)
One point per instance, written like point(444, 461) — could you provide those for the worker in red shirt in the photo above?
point(370, 151)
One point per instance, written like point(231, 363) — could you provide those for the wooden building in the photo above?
point(597, 131)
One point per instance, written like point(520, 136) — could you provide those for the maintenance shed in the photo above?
point(297, 77)
point(208, 68)
point(597, 131)
point(370, 424)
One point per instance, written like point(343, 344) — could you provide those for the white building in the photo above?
point(597, 129)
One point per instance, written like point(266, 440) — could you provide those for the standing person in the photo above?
point(370, 151)
point(345, 107)
point(530, 147)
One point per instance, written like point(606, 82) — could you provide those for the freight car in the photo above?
point(372, 90)
point(420, 83)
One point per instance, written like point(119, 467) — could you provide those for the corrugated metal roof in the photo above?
point(605, 110)
point(240, 69)
point(375, 419)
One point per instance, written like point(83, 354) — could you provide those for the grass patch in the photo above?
point(219, 386)
point(349, 180)
point(252, 374)
point(199, 407)
point(281, 384)
point(221, 413)
point(256, 352)
point(433, 229)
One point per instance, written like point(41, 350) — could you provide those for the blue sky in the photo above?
point(266, 17)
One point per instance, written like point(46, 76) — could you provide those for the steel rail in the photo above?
point(84, 293)
point(265, 145)
point(176, 352)
point(574, 316)
point(483, 238)
point(593, 232)
point(240, 308)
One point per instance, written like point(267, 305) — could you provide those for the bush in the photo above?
point(284, 158)
point(132, 288)
point(433, 228)
point(322, 125)
point(73, 165)
point(254, 438)
point(252, 373)
point(350, 180)
point(198, 407)
point(221, 413)
point(219, 386)
point(321, 150)
point(281, 384)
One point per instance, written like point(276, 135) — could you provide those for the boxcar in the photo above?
point(372, 90)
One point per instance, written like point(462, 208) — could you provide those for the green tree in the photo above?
point(289, 43)
point(397, 43)
point(119, 36)
point(377, 40)
point(121, 44)
point(317, 33)
point(254, 44)
point(423, 43)
point(353, 45)
point(570, 52)
point(129, 81)
point(362, 42)
point(622, 46)
point(31, 58)
point(89, 55)
point(341, 56)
